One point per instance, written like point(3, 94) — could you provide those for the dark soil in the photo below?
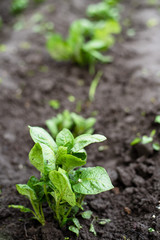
point(127, 101)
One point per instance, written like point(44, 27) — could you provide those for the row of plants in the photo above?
point(63, 182)
point(88, 38)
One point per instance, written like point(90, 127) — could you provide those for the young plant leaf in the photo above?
point(146, 139)
point(55, 104)
point(87, 214)
point(39, 135)
point(136, 141)
point(153, 132)
point(69, 162)
point(92, 229)
point(76, 223)
point(157, 119)
point(24, 189)
point(61, 182)
point(85, 140)
point(60, 153)
point(104, 221)
point(156, 146)
point(94, 85)
point(65, 138)
point(21, 208)
point(91, 181)
point(37, 186)
point(81, 154)
point(58, 48)
point(42, 157)
point(74, 229)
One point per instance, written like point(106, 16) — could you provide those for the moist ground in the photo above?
point(126, 102)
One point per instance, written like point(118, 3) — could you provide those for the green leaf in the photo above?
point(104, 221)
point(146, 139)
point(74, 229)
point(92, 229)
point(36, 157)
point(157, 119)
point(37, 186)
point(70, 162)
point(21, 208)
point(85, 139)
point(42, 157)
point(90, 123)
point(76, 223)
point(61, 182)
point(153, 132)
point(54, 104)
point(87, 214)
point(60, 153)
point(18, 6)
point(151, 230)
point(156, 146)
point(52, 126)
point(39, 135)
point(91, 181)
point(136, 141)
point(65, 138)
point(58, 48)
point(81, 154)
point(94, 84)
point(25, 190)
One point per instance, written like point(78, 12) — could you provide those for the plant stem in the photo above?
point(65, 217)
point(46, 194)
point(80, 200)
point(39, 217)
point(57, 211)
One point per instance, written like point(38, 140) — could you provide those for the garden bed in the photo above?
point(126, 102)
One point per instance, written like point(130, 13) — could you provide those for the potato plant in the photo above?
point(64, 182)
point(18, 6)
point(85, 42)
point(72, 121)
point(104, 10)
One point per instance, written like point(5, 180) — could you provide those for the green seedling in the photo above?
point(64, 182)
point(104, 10)
point(151, 230)
point(157, 119)
point(94, 85)
point(55, 104)
point(76, 228)
point(18, 6)
point(147, 139)
point(72, 121)
point(85, 42)
point(88, 215)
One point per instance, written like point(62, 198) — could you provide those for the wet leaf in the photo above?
point(74, 229)
point(61, 182)
point(87, 214)
point(91, 180)
point(86, 139)
point(39, 135)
